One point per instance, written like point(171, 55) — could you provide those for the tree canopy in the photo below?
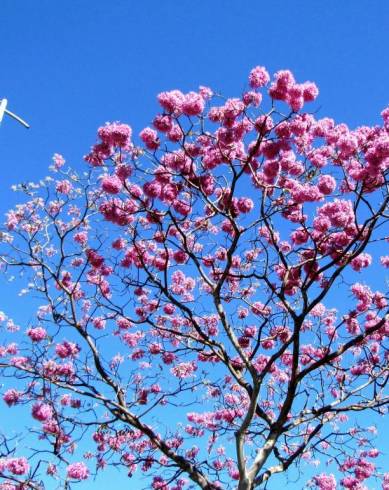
point(202, 313)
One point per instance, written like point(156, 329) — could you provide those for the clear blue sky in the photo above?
point(69, 66)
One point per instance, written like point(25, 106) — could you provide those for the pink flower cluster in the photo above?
point(325, 482)
point(37, 334)
point(58, 161)
point(42, 411)
point(362, 469)
point(115, 134)
point(81, 237)
point(16, 466)
point(327, 184)
point(259, 77)
point(176, 103)
point(385, 261)
point(150, 138)
point(78, 471)
point(363, 294)
point(94, 258)
point(363, 260)
point(184, 370)
point(112, 135)
point(111, 184)
point(64, 187)
point(285, 88)
point(67, 349)
point(52, 369)
point(12, 397)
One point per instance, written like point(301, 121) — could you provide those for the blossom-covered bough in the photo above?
point(205, 316)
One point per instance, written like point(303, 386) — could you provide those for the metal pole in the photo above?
point(4, 110)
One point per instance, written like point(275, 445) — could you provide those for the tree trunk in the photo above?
point(245, 484)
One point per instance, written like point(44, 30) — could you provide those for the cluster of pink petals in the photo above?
point(259, 77)
point(385, 260)
point(67, 349)
point(191, 104)
point(112, 135)
point(172, 101)
point(286, 89)
point(58, 161)
point(150, 138)
point(94, 258)
point(53, 370)
point(77, 471)
point(326, 184)
point(12, 397)
point(16, 466)
point(363, 260)
point(325, 482)
point(42, 411)
point(115, 134)
point(81, 237)
point(111, 184)
point(364, 294)
point(37, 334)
point(362, 469)
point(64, 187)
point(184, 370)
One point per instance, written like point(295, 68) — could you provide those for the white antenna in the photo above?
point(4, 110)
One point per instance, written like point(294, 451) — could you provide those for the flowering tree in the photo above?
point(189, 324)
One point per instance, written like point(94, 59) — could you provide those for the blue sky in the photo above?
point(69, 66)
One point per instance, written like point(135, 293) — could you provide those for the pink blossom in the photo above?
point(180, 256)
point(351, 483)
point(163, 123)
point(363, 294)
point(252, 98)
point(339, 212)
point(385, 482)
point(193, 104)
point(283, 82)
point(184, 370)
point(67, 349)
point(42, 411)
point(94, 258)
point(364, 469)
point(363, 260)
point(385, 260)
point(245, 204)
point(327, 184)
point(205, 92)
point(77, 471)
point(64, 187)
point(58, 161)
point(115, 134)
point(12, 397)
point(111, 184)
point(259, 77)
point(310, 91)
point(51, 469)
point(81, 237)
point(119, 244)
point(325, 482)
point(37, 334)
point(171, 101)
point(150, 138)
point(175, 133)
point(152, 188)
point(295, 97)
point(17, 466)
